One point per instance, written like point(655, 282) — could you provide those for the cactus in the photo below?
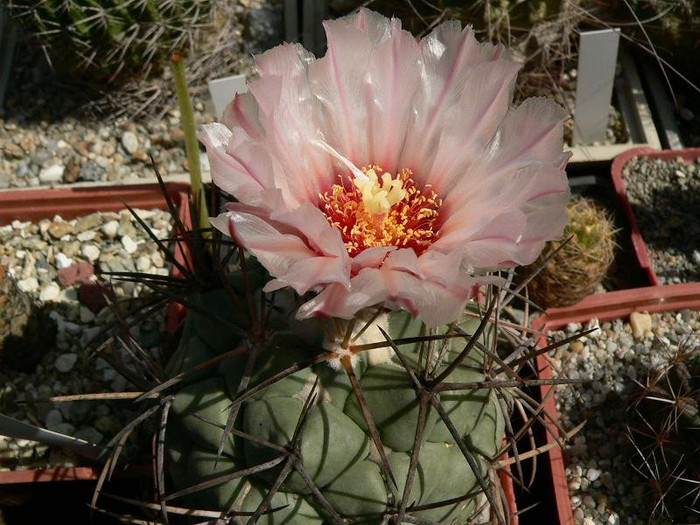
point(104, 38)
point(314, 415)
point(664, 429)
point(266, 419)
point(575, 265)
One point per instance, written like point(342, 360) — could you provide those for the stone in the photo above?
point(129, 245)
point(157, 259)
point(91, 172)
point(143, 263)
point(90, 435)
point(50, 293)
point(57, 230)
point(87, 223)
point(30, 284)
point(86, 315)
point(87, 236)
point(90, 252)
point(110, 229)
point(62, 261)
point(92, 295)
point(51, 174)
point(130, 142)
point(65, 362)
point(53, 419)
point(72, 171)
point(593, 474)
point(640, 322)
point(80, 272)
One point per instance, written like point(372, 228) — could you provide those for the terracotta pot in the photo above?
point(604, 307)
point(42, 203)
point(618, 165)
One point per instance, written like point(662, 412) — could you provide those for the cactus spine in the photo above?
point(103, 38)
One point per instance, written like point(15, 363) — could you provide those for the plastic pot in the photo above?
point(604, 307)
point(42, 203)
point(618, 165)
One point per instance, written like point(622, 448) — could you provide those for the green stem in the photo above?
point(191, 144)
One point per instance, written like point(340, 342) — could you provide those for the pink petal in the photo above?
point(507, 212)
point(471, 121)
point(394, 75)
point(243, 112)
point(246, 173)
point(531, 132)
point(339, 81)
point(285, 256)
point(313, 225)
point(435, 304)
point(449, 54)
point(292, 118)
point(404, 260)
point(370, 258)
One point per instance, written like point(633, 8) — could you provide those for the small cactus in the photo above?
point(576, 264)
point(104, 38)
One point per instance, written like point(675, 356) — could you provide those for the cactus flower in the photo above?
point(389, 172)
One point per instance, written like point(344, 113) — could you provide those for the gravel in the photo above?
point(49, 280)
point(665, 198)
point(604, 487)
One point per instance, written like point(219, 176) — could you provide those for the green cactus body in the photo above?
point(335, 446)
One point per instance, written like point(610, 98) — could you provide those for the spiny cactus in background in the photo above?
point(102, 39)
point(664, 429)
point(579, 266)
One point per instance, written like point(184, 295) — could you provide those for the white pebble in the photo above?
point(90, 252)
point(157, 259)
point(50, 293)
point(63, 261)
point(30, 284)
point(143, 263)
point(593, 474)
point(52, 174)
point(640, 322)
point(588, 501)
point(130, 142)
point(110, 229)
point(86, 236)
point(129, 245)
point(66, 362)
point(594, 325)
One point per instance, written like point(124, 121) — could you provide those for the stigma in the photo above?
point(375, 208)
point(378, 199)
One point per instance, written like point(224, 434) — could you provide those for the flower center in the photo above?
point(388, 212)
